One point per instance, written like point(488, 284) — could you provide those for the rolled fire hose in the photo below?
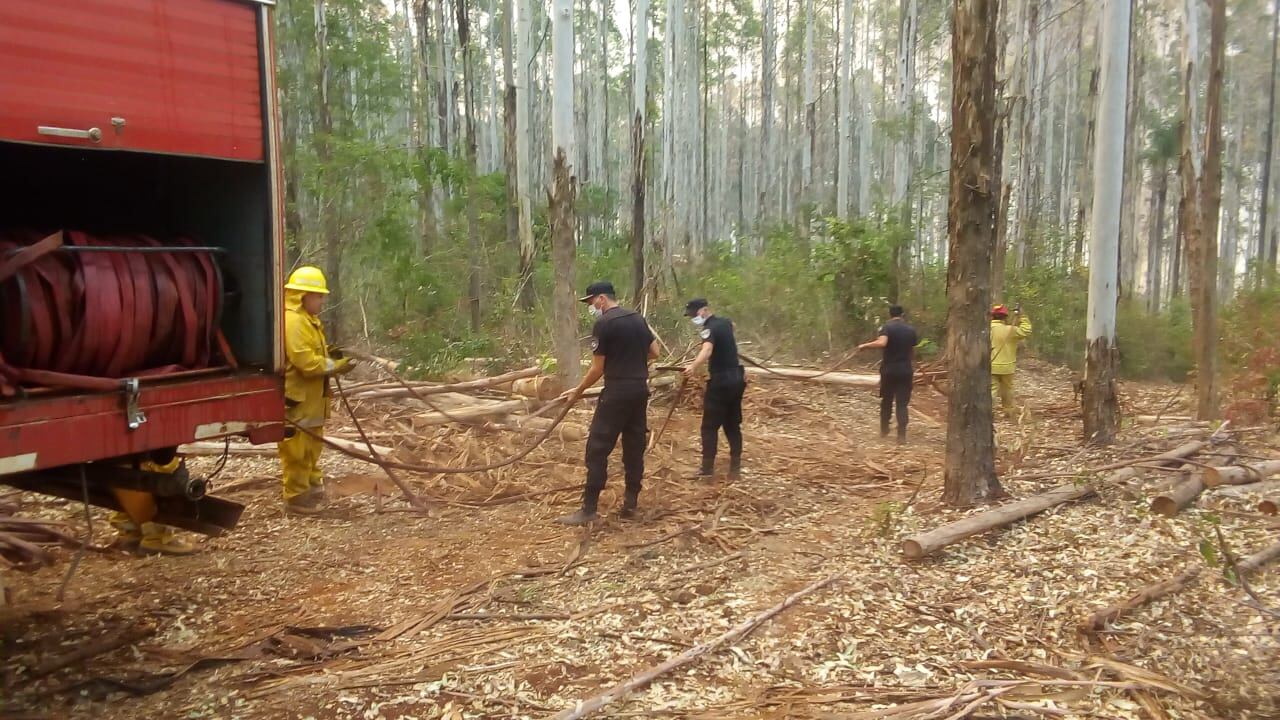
point(83, 311)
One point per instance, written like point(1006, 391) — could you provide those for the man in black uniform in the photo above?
point(897, 370)
point(722, 403)
point(622, 346)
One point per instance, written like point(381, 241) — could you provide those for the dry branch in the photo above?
point(93, 649)
point(924, 544)
point(585, 707)
point(1100, 619)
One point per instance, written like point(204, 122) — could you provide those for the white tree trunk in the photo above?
point(906, 88)
point(1108, 168)
point(524, 80)
point(844, 125)
point(810, 109)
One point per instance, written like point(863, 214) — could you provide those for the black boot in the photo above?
point(735, 465)
point(902, 435)
point(587, 514)
point(629, 504)
point(707, 469)
point(884, 429)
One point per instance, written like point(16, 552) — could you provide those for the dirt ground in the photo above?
point(483, 607)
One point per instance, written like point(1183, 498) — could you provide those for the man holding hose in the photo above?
point(306, 396)
point(622, 345)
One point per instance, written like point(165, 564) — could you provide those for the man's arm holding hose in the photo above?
point(591, 378)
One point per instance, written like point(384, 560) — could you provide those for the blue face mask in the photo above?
point(698, 320)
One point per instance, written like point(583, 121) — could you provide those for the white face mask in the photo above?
point(595, 311)
point(698, 320)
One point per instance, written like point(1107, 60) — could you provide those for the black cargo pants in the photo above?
point(722, 408)
point(621, 411)
point(895, 390)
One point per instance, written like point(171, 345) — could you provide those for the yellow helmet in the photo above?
point(307, 279)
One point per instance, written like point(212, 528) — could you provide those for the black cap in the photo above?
point(692, 307)
point(598, 288)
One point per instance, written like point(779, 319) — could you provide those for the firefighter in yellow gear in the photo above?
point(149, 537)
point(307, 367)
point(1005, 338)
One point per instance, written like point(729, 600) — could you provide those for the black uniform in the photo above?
point(897, 372)
point(622, 337)
point(722, 404)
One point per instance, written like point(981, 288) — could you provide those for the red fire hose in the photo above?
point(83, 311)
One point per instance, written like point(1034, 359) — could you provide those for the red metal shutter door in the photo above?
point(167, 76)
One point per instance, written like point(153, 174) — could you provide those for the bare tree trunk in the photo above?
point(509, 126)
point(810, 119)
point(844, 125)
point(1210, 187)
point(1266, 255)
point(524, 80)
point(1084, 189)
point(1101, 405)
point(463, 24)
point(563, 195)
point(970, 474)
point(331, 198)
point(765, 173)
point(639, 98)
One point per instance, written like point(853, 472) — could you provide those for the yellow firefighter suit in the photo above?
point(306, 403)
point(1004, 357)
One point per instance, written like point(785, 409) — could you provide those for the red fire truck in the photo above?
point(141, 247)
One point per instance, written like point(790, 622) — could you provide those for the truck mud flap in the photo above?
point(207, 516)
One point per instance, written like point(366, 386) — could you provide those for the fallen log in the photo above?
point(829, 378)
point(1185, 491)
point(1260, 558)
point(399, 391)
point(585, 707)
point(1266, 487)
point(924, 544)
point(479, 411)
point(1098, 620)
point(1171, 502)
point(1181, 452)
point(568, 432)
point(1241, 474)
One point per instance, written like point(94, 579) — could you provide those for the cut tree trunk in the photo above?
point(970, 473)
point(1185, 491)
point(818, 376)
point(1241, 474)
point(497, 381)
point(919, 546)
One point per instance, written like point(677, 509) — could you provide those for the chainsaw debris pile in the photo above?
point(784, 593)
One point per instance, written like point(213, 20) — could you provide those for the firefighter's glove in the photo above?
point(342, 366)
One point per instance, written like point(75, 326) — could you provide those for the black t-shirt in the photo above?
point(898, 353)
point(724, 348)
point(623, 338)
